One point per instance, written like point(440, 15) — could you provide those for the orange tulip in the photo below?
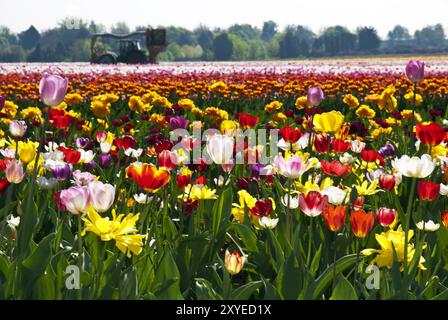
point(362, 222)
point(148, 177)
point(335, 217)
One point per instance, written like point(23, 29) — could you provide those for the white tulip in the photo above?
point(268, 223)
point(428, 226)
point(133, 153)
point(102, 195)
point(293, 201)
point(357, 146)
point(414, 167)
point(220, 149)
point(105, 147)
point(86, 156)
point(443, 189)
point(142, 198)
point(335, 195)
point(347, 158)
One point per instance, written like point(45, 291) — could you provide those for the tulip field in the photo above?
point(310, 180)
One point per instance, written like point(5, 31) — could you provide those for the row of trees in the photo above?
point(70, 41)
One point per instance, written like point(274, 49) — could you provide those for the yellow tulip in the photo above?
point(27, 151)
point(328, 122)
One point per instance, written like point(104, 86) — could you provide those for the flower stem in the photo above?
point(310, 239)
point(80, 251)
point(407, 222)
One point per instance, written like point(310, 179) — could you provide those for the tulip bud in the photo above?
point(415, 70)
point(234, 262)
point(315, 96)
point(17, 128)
point(101, 136)
point(385, 216)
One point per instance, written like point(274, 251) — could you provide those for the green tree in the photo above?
point(29, 39)
point(368, 39)
point(269, 30)
point(431, 36)
point(223, 47)
point(245, 31)
point(398, 33)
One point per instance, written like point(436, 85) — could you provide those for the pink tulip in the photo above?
point(14, 171)
point(101, 195)
point(52, 89)
point(313, 203)
point(415, 70)
point(291, 168)
point(76, 199)
point(315, 96)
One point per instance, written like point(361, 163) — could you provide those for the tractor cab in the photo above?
point(130, 50)
point(129, 45)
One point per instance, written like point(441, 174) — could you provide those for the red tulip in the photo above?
point(71, 156)
point(369, 155)
point(246, 120)
point(428, 190)
point(361, 222)
point(290, 135)
point(340, 146)
point(335, 168)
point(200, 180)
point(262, 208)
point(430, 134)
point(313, 203)
point(182, 181)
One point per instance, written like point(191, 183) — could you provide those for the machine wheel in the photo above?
point(136, 57)
point(107, 59)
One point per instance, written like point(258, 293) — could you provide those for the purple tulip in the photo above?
point(415, 70)
point(61, 171)
point(82, 142)
point(315, 96)
point(52, 89)
point(90, 165)
point(178, 122)
point(105, 160)
point(387, 151)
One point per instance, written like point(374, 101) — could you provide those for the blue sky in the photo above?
point(316, 14)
